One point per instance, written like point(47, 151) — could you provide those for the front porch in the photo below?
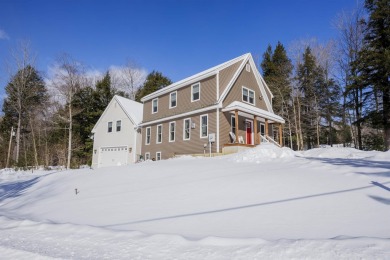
point(251, 126)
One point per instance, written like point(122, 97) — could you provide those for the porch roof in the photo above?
point(240, 106)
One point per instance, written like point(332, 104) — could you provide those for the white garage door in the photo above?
point(113, 156)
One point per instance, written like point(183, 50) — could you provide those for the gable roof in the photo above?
point(195, 78)
point(260, 81)
point(132, 109)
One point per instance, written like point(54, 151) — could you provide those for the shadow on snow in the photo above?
point(15, 189)
point(382, 200)
point(358, 163)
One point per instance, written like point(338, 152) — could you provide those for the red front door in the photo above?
point(248, 132)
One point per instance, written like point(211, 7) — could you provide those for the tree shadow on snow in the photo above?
point(15, 189)
point(382, 200)
point(358, 163)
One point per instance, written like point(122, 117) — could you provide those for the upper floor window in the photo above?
point(109, 127)
point(195, 92)
point(173, 99)
point(118, 125)
point(248, 67)
point(154, 105)
point(172, 130)
point(248, 95)
point(159, 134)
point(186, 129)
point(204, 126)
point(148, 133)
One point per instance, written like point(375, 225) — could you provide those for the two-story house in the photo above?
point(230, 103)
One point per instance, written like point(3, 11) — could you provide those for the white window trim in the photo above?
point(116, 125)
point(192, 94)
point(248, 67)
point(170, 99)
point(174, 134)
point(108, 127)
point(231, 123)
point(156, 106)
point(145, 156)
point(157, 142)
point(160, 156)
point(146, 135)
point(200, 126)
point(254, 96)
point(184, 129)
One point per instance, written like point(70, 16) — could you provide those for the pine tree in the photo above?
point(309, 80)
point(154, 81)
point(26, 93)
point(277, 69)
point(375, 60)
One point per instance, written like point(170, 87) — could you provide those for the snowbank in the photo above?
point(345, 153)
point(264, 152)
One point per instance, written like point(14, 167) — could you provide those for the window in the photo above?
point(233, 124)
point(172, 129)
point(172, 99)
point(109, 127)
point(159, 134)
point(187, 129)
point(248, 67)
point(262, 129)
point(195, 92)
point(158, 156)
point(248, 96)
point(203, 126)
point(148, 133)
point(147, 156)
point(154, 105)
point(118, 125)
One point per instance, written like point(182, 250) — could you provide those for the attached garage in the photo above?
point(113, 156)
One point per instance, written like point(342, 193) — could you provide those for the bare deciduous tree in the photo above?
point(68, 79)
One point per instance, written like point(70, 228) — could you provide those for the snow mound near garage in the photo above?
point(264, 152)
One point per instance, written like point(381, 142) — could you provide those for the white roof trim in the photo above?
point(179, 115)
point(115, 98)
point(259, 79)
point(237, 105)
point(261, 82)
point(234, 78)
point(192, 79)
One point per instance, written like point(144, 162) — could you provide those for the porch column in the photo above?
point(280, 135)
point(236, 119)
point(266, 127)
point(255, 126)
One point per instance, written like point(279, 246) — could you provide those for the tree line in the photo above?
point(49, 122)
point(338, 92)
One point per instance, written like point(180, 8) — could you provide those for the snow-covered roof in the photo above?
point(237, 105)
point(192, 79)
point(133, 109)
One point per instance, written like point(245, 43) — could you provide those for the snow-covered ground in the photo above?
point(263, 203)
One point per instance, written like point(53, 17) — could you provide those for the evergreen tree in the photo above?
point(26, 93)
point(309, 80)
point(154, 81)
point(277, 69)
point(375, 60)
